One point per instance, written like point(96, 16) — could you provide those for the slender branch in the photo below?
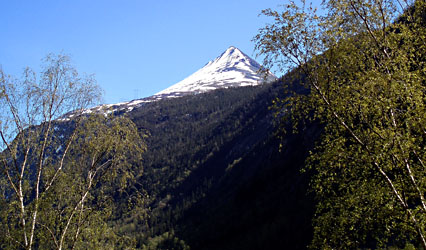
point(51, 233)
point(6, 172)
point(90, 176)
point(337, 116)
point(39, 172)
point(13, 239)
point(420, 160)
point(413, 180)
point(418, 228)
point(79, 224)
point(381, 171)
point(15, 115)
point(22, 207)
point(21, 197)
point(80, 203)
point(61, 163)
point(8, 147)
point(407, 165)
point(367, 26)
point(382, 13)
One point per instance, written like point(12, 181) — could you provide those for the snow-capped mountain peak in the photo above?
point(231, 69)
point(231, 58)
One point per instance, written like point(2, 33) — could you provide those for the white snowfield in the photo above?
point(231, 69)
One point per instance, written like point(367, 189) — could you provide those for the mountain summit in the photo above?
point(231, 69)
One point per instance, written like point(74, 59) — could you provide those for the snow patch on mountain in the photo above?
point(231, 69)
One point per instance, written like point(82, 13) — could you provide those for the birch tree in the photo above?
point(363, 64)
point(52, 163)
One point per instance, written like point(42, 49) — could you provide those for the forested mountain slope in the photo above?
point(215, 175)
point(203, 171)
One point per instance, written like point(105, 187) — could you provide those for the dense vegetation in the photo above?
point(215, 175)
point(231, 169)
point(364, 63)
point(212, 176)
point(59, 177)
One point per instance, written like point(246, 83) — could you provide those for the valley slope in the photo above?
point(215, 175)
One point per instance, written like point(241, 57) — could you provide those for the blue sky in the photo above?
point(134, 48)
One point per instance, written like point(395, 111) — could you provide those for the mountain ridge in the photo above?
point(232, 68)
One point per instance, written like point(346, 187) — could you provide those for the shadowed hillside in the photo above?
point(215, 175)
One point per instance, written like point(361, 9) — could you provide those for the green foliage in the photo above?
point(192, 142)
point(368, 88)
point(105, 156)
point(166, 241)
point(60, 177)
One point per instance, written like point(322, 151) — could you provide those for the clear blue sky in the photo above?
point(135, 48)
